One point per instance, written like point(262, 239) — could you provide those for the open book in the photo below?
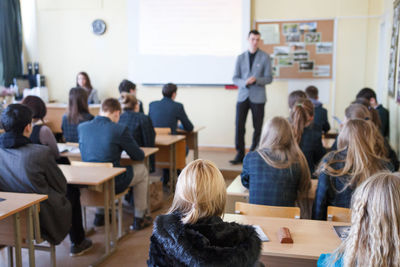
point(62, 148)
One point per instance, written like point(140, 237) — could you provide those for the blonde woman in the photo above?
point(374, 239)
point(277, 173)
point(343, 170)
point(306, 133)
point(192, 233)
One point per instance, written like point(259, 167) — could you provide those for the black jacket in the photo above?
point(209, 242)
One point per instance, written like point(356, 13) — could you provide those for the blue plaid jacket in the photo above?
point(269, 185)
point(70, 130)
point(311, 145)
point(330, 189)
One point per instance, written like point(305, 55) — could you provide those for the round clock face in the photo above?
point(98, 26)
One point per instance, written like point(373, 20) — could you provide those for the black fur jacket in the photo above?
point(209, 242)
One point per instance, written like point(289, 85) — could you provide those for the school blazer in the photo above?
point(261, 69)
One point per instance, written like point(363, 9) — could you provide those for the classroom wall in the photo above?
point(64, 45)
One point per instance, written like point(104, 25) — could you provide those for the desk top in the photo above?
point(16, 202)
point(311, 238)
point(89, 175)
point(236, 188)
point(167, 140)
point(196, 129)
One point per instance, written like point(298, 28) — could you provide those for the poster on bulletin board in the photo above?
point(299, 49)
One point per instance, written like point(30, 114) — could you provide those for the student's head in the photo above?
point(294, 96)
point(37, 106)
point(169, 90)
point(77, 104)
point(127, 87)
point(111, 109)
point(200, 192)
point(254, 38)
point(17, 118)
point(301, 115)
point(359, 138)
point(357, 111)
point(374, 113)
point(129, 102)
point(312, 92)
point(368, 94)
point(83, 80)
point(374, 238)
point(280, 150)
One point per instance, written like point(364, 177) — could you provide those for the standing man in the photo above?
point(252, 72)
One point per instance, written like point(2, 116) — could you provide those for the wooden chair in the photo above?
point(162, 131)
point(93, 197)
point(267, 211)
point(337, 214)
point(28, 232)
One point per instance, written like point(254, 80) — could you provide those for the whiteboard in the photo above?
point(186, 41)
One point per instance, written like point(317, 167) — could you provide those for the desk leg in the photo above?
point(17, 239)
point(113, 217)
point(195, 146)
point(106, 190)
point(29, 227)
point(175, 179)
point(171, 169)
point(147, 164)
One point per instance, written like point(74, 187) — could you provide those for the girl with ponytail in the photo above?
point(306, 134)
point(343, 170)
point(192, 233)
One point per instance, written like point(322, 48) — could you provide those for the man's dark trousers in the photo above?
point(257, 111)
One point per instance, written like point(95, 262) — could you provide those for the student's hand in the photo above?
point(251, 80)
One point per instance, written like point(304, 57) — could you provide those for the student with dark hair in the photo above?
point(167, 112)
point(294, 96)
point(140, 126)
point(370, 95)
point(129, 87)
point(306, 134)
point(31, 168)
point(83, 81)
point(107, 147)
point(78, 112)
point(41, 134)
point(320, 113)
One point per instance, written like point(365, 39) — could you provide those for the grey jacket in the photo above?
point(32, 169)
point(261, 70)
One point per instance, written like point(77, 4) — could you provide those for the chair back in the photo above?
point(267, 211)
point(162, 131)
point(337, 214)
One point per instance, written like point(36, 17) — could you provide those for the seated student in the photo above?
point(192, 233)
point(78, 112)
point(41, 134)
point(294, 96)
point(139, 125)
point(83, 81)
point(129, 87)
point(306, 134)
point(320, 113)
point(277, 166)
point(167, 112)
point(31, 168)
point(341, 171)
point(370, 95)
point(107, 147)
point(374, 236)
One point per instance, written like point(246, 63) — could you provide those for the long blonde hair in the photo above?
point(300, 116)
point(279, 150)
point(359, 138)
point(200, 192)
point(375, 224)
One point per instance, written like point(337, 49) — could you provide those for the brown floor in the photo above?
point(133, 249)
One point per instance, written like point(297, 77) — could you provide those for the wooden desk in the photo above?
point(55, 111)
point(311, 239)
point(192, 140)
point(102, 177)
point(14, 205)
point(168, 145)
point(237, 192)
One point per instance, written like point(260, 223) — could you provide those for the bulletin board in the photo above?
point(299, 49)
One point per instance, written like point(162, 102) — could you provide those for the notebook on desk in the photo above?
point(342, 231)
